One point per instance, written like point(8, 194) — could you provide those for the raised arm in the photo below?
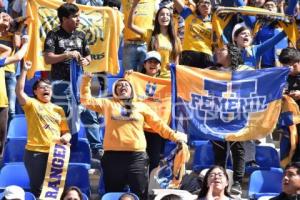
point(270, 43)
point(5, 51)
point(249, 20)
point(86, 99)
point(130, 22)
point(18, 56)
point(291, 7)
point(22, 96)
point(178, 5)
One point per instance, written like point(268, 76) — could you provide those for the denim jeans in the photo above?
point(92, 128)
point(11, 81)
point(62, 97)
point(134, 56)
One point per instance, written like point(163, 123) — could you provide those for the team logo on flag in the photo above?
point(227, 103)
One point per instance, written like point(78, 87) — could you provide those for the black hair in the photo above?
point(171, 197)
point(289, 55)
point(127, 195)
point(37, 82)
point(239, 30)
point(275, 1)
point(112, 3)
point(235, 55)
point(204, 187)
point(66, 10)
point(67, 190)
point(293, 165)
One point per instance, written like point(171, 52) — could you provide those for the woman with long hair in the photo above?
point(215, 185)
point(72, 193)
point(165, 41)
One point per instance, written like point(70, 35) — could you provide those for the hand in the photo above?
point(84, 62)
point(181, 137)
point(27, 65)
point(65, 139)
point(73, 54)
point(209, 195)
point(128, 72)
point(88, 74)
point(25, 39)
point(295, 94)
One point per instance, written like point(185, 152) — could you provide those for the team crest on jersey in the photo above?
point(226, 106)
point(150, 89)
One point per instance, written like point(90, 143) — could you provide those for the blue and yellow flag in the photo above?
point(222, 20)
point(102, 26)
point(155, 92)
point(230, 106)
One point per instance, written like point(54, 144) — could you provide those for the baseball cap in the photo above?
point(153, 55)
point(14, 192)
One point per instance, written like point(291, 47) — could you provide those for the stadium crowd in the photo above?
point(156, 34)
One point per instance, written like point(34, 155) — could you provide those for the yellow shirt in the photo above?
point(8, 41)
point(3, 95)
point(165, 50)
point(45, 122)
point(197, 35)
point(124, 133)
point(144, 18)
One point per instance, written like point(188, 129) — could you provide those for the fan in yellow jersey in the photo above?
point(165, 41)
point(197, 39)
point(135, 44)
point(12, 39)
point(5, 59)
point(125, 161)
point(46, 123)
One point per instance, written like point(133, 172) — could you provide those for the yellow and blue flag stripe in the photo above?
point(230, 106)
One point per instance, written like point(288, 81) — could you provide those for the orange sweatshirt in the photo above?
point(124, 133)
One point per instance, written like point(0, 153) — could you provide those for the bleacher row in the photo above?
point(13, 171)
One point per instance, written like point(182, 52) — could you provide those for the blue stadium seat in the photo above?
point(14, 150)
point(81, 153)
point(15, 147)
point(14, 174)
point(28, 196)
point(17, 127)
point(78, 175)
point(81, 133)
point(266, 157)
point(116, 195)
point(265, 182)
